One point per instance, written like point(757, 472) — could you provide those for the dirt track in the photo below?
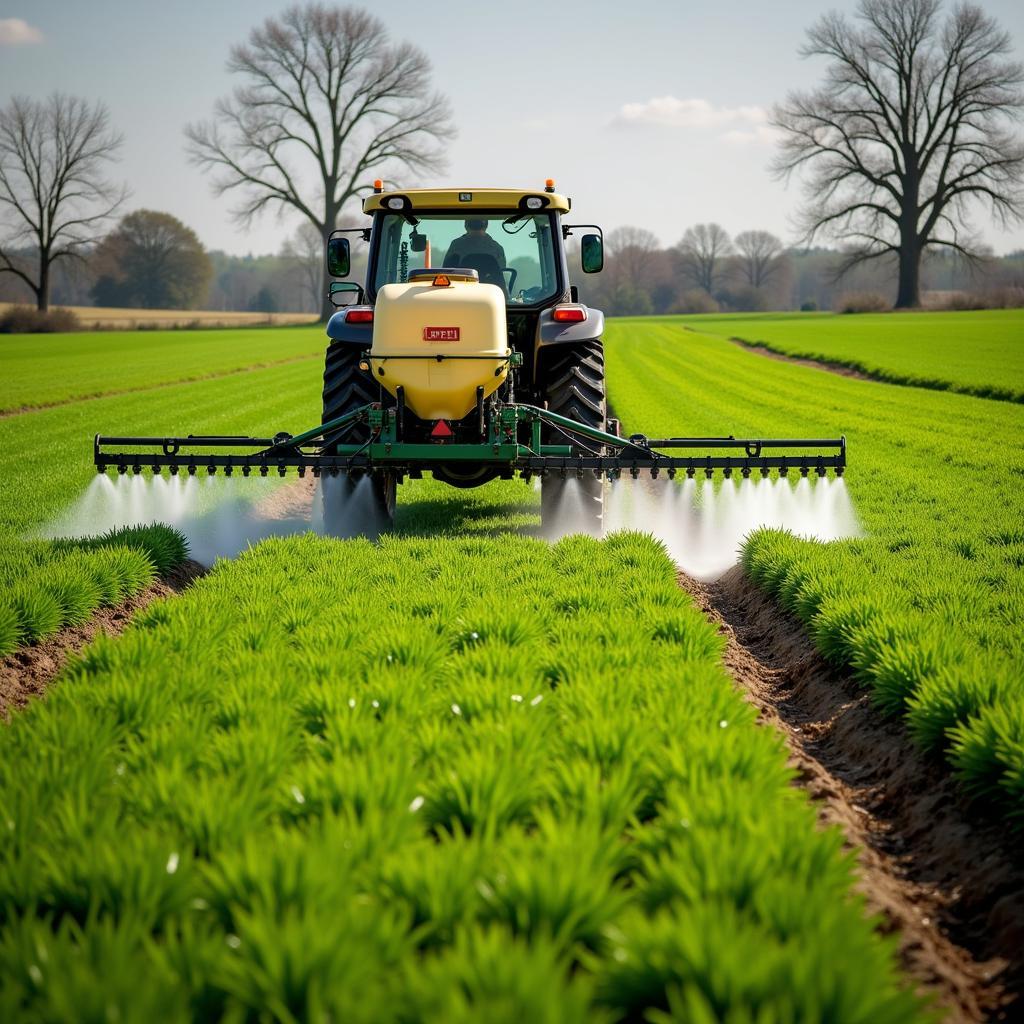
point(818, 364)
point(28, 671)
point(940, 875)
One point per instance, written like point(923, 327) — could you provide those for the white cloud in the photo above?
point(17, 32)
point(763, 134)
point(688, 113)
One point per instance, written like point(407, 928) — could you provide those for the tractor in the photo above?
point(467, 306)
point(465, 353)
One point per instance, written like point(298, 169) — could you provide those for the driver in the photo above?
point(475, 241)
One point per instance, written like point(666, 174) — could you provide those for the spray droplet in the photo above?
point(723, 724)
point(536, 700)
point(517, 697)
point(297, 795)
point(417, 803)
point(456, 710)
point(172, 863)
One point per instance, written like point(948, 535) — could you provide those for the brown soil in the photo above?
point(817, 364)
point(7, 413)
point(290, 501)
point(29, 671)
point(942, 876)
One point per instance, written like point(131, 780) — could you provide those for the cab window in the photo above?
point(515, 253)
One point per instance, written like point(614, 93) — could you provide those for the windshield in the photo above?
point(518, 257)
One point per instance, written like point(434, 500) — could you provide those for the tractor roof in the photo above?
point(466, 199)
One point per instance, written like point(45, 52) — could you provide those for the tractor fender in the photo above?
point(551, 333)
point(338, 329)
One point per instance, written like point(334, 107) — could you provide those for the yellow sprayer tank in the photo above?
point(423, 318)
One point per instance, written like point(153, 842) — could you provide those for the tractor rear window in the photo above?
point(516, 255)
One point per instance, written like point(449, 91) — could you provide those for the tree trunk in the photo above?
point(326, 309)
point(43, 291)
point(908, 291)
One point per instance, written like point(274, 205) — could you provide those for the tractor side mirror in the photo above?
point(345, 293)
point(339, 257)
point(592, 253)
point(417, 242)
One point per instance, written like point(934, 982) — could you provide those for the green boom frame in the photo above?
point(586, 450)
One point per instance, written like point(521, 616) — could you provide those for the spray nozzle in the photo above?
point(191, 470)
point(746, 472)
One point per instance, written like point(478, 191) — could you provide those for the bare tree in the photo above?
point(759, 255)
point(326, 99)
point(305, 251)
point(53, 195)
point(912, 125)
point(634, 251)
point(702, 254)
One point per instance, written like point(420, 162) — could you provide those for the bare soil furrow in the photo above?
point(29, 671)
point(818, 364)
point(946, 879)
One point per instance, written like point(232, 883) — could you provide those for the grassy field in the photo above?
point(110, 317)
point(979, 353)
point(465, 774)
point(434, 780)
point(44, 370)
point(928, 607)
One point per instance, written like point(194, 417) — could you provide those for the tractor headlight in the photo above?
point(395, 203)
point(534, 203)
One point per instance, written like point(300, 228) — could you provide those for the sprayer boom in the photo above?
point(509, 441)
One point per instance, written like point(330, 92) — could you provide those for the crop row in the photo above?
point(928, 607)
point(426, 780)
point(45, 463)
point(82, 365)
point(50, 584)
point(976, 353)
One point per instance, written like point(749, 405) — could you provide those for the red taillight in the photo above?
point(569, 314)
point(441, 429)
point(359, 315)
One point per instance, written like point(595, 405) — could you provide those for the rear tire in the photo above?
point(574, 387)
point(361, 505)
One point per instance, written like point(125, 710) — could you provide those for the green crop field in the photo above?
point(929, 606)
point(979, 352)
point(39, 372)
point(44, 460)
point(312, 786)
point(465, 774)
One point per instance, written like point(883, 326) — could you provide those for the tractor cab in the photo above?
point(508, 239)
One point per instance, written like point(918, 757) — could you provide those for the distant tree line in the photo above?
point(708, 271)
point(913, 127)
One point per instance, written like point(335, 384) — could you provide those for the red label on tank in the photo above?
point(441, 334)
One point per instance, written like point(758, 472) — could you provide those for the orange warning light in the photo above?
point(378, 185)
point(549, 185)
point(441, 281)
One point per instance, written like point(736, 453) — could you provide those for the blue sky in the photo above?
point(647, 113)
